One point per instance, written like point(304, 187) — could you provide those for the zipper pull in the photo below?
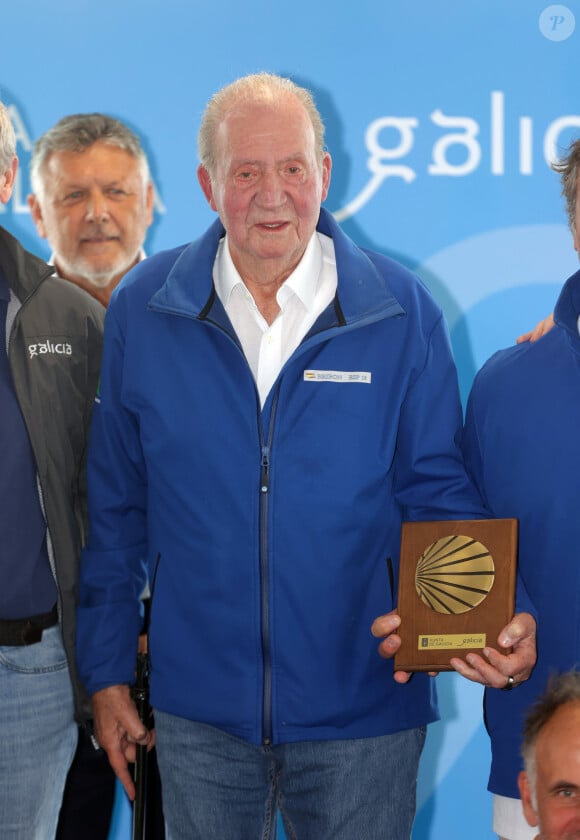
point(265, 473)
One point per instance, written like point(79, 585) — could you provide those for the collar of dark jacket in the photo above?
point(23, 270)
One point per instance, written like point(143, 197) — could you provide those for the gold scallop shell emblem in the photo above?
point(454, 574)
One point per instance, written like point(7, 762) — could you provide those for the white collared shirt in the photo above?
point(301, 298)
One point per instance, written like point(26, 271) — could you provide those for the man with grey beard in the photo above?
point(92, 200)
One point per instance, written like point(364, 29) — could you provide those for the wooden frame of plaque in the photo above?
point(456, 589)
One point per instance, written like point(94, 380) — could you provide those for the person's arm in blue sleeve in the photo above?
point(521, 632)
point(112, 575)
point(433, 484)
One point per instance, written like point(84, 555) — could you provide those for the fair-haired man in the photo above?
point(522, 448)
point(274, 401)
point(550, 782)
point(50, 350)
point(92, 200)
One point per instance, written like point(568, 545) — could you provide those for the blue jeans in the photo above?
point(217, 787)
point(38, 736)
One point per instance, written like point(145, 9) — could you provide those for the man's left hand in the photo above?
point(494, 668)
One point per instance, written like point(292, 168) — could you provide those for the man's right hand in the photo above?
point(118, 729)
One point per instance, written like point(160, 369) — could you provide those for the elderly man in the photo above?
point(274, 401)
point(550, 783)
point(523, 450)
point(50, 350)
point(93, 201)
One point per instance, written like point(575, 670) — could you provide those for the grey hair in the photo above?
point(259, 88)
point(7, 139)
point(78, 132)
point(562, 688)
point(568, 167)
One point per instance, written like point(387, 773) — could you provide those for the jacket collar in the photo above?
point(362, 291)
point(568, 307)
point(22, 269)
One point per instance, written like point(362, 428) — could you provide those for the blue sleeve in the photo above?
point(431, 480)
point(473, 451)
point(112, 579)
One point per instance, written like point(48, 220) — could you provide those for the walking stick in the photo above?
point(140, 695)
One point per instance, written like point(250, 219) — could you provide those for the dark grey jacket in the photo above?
point(54, 332)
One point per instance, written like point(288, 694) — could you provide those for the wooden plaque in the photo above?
point(456, 589)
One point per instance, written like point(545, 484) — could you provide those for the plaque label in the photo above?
point(451, 641)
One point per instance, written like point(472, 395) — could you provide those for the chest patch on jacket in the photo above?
point(340, 376)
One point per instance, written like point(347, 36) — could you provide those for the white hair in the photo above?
point(7, 139)
point(255, 88)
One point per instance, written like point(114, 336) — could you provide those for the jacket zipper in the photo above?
point(264, 507)
point(263, 510)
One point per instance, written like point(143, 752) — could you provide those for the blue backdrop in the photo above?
point(442, 117)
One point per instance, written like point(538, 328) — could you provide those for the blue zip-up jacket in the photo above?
point(270, 536)
point(522, 445)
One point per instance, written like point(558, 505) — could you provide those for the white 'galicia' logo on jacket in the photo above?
point(43, 347)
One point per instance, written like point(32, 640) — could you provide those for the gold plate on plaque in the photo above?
point(456, 589)
point(454, 574)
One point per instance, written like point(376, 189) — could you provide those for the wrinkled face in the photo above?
point(94, 210)
point(268, 185)
point(557, 808)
